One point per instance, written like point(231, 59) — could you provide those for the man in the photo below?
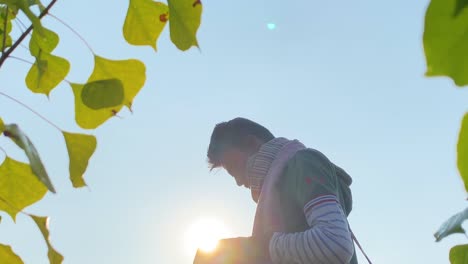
point(303, 199)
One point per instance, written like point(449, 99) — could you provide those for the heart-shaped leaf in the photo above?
point(80, 149)
point(445, 41)
point(184, 20)
point(14, 132)
point(452, 225)
point(43, 225)
point(19, 187)
point(46, 73)
point(144, 22)
point(46, 43)
point(459, 254)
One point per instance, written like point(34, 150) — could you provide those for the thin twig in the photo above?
point(5, 23)
point(74, 31)
point(23, 36)
point(21, 59)
point(30, 109)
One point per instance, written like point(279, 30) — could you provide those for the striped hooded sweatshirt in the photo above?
point(312, 199)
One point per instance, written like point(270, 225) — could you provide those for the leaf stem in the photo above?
point(23, 36)
point(30, 109)
point(5, 23)
point(74, 31)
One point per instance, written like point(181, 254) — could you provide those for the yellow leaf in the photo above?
point(2, 126)
point(184, 20)
point(19, 187)
point(80, 148)
point(144, 22)
point(46, 73)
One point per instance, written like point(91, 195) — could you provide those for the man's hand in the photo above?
point(240, 250)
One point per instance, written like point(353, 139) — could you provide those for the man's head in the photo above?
point(233, 142)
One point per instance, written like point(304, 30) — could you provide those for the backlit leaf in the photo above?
point(8, 17)
point(8, 256)
point(46, 43)
point(184, 20)
point(132, 74)
point(43, 225)
point(459, 254)
point(452, 225)
point(445, 41)
point(144, 22)
point(15, 133)
point(46, 73)
point(19, 187)
point(80, 148)
point(462, 151)
point(103, 94)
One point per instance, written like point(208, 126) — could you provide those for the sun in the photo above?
point(204, 234)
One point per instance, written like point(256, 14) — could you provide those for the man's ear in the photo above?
point(252, 143)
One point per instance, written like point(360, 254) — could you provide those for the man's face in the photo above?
point(235, 162)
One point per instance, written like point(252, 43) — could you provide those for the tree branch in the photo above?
point(23, 36)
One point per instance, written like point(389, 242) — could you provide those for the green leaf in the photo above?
point(459, 254)
point(46, 43)
point(445, 41)
point(43, 225)
point(461, 4)
point(103, 94)
point(452, 225)
point(46, 73)
point(131, 74)
point(8, 256)
point(2, 126)
point(15, 133)
point(19, 187)
point(184, 20)
point(462, 151)
point(144, 22)
point(80, 148)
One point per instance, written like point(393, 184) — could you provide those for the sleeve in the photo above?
point(328, 240)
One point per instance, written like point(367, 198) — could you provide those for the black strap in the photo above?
point(360, 247)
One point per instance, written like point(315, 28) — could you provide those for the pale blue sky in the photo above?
point(346, 78)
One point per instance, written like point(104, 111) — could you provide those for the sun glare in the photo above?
point(204, 234)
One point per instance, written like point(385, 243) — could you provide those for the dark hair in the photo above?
point(233, 134)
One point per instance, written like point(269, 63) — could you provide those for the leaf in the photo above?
point(2, 126)
point(144, 22)
point(184, 20)
point(103, 94)
point(19, 187)
point(461, 4)
point(452, 225)
point(14, 132)
point(8, 256)
point(445, 41)
point(80, 148)
point(43, 224)
point(46, 73)
point(462, 151)
point(46, 43)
